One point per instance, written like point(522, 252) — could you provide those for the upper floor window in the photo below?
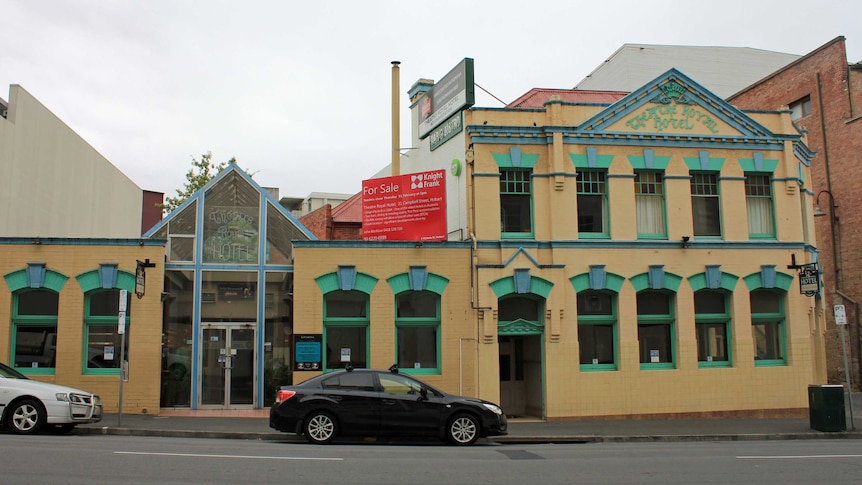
point(34, 330)
point(592, 203)
point(705, 207)
point(800, 108)
point(516, 209)
point(758, 201)
point(649, 204)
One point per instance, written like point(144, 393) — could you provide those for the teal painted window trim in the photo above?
point(727, 282)
point(362, 322)
point(592, 186)
point(330, 282)
point(48, 321)
point(433, 283)
point(515, 159)
point(109, 321)
point(420, 322)
point(705, 187)
point(613, 282)
point(704, 163)
point(758, 164)
point(506, 286)
point(754, 281)
point(18, 280)
point(642, 282)
point(649, 192)
point(648, 161)
point(780, 319)
point(668, 319)
point(591, 160)
point(91, 280)
point(758, 192)
point(516, 189)
point(604, 320)
point(719, 319)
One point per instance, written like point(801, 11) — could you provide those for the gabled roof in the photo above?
point(231, 170)
point(349, 211)
point(537, 97)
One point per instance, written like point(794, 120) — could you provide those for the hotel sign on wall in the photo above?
point(674, 111)
point(405, 207)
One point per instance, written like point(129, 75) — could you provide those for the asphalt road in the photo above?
point(128, 460)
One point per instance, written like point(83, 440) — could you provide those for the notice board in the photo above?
point(408, 207)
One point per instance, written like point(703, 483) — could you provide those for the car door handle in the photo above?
point(391, 402)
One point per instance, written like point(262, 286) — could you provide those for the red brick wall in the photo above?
point(319, 222)
point(835, 133)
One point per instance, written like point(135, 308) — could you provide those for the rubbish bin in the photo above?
point(826, 407)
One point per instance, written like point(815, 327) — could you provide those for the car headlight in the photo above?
point(62, 396)
point(493, 408)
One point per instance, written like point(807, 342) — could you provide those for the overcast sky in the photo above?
point(300, 92)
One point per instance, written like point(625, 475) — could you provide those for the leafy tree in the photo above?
point(200, 174)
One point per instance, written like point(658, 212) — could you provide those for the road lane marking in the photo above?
point(794, 457)
point(200, 455)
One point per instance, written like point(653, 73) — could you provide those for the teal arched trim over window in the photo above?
point(597, 279)
point(713, 279)
point(591, 160)
point(768, 278)
point(35, 276)
point(515, 159)
point(648, 161)
point(521, 283)
point(418, 279)
point(346, 278)
point(104, 279)
point(656, 279)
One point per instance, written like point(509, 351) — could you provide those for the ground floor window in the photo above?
point(102, 338)
point(655, 329)
point(417, 323)
point(345, 329)
point(597, 330)
point(767, 327)
point(34, 330)
point(712, 325)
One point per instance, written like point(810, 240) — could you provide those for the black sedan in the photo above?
point(366, 402)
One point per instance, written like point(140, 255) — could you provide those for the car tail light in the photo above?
point(282, 396)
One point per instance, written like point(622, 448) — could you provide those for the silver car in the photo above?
point(28, 406)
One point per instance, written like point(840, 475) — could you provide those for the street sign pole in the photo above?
point(121, 329)
point(841, 321)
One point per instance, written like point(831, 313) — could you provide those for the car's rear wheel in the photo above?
point(463, 429)
point(320, 427)
point(26, 417)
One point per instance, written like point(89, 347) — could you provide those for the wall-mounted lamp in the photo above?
point(818, 212)
point(37, 241)
point(418, 244)
point(685, 240)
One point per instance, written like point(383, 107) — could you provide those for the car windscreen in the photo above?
point(10, 373)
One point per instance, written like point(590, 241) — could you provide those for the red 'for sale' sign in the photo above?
point(405, 207)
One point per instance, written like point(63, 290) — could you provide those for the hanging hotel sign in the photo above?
point(809, 279)
point(405, 207)
point(453, 93)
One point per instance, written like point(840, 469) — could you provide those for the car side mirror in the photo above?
point(423, 393)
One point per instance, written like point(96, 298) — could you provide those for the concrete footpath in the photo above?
point(254, 425)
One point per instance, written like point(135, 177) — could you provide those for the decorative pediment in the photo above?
point(674, 104)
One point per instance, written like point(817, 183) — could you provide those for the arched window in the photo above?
point(345, 329)
point(597, 330)
point(712, 327)
point(767, 327)
point(417, 324)
point(655, 329)
point(34, 330)
point(102, 336)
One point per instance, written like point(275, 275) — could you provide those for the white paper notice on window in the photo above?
point(654, 356)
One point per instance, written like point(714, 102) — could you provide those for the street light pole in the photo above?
point(833, 221)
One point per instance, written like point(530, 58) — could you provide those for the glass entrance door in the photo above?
point(227, 365)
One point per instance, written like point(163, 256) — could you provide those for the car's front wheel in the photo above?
point(320, 427)
point(463, 429)
point(26, 417)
